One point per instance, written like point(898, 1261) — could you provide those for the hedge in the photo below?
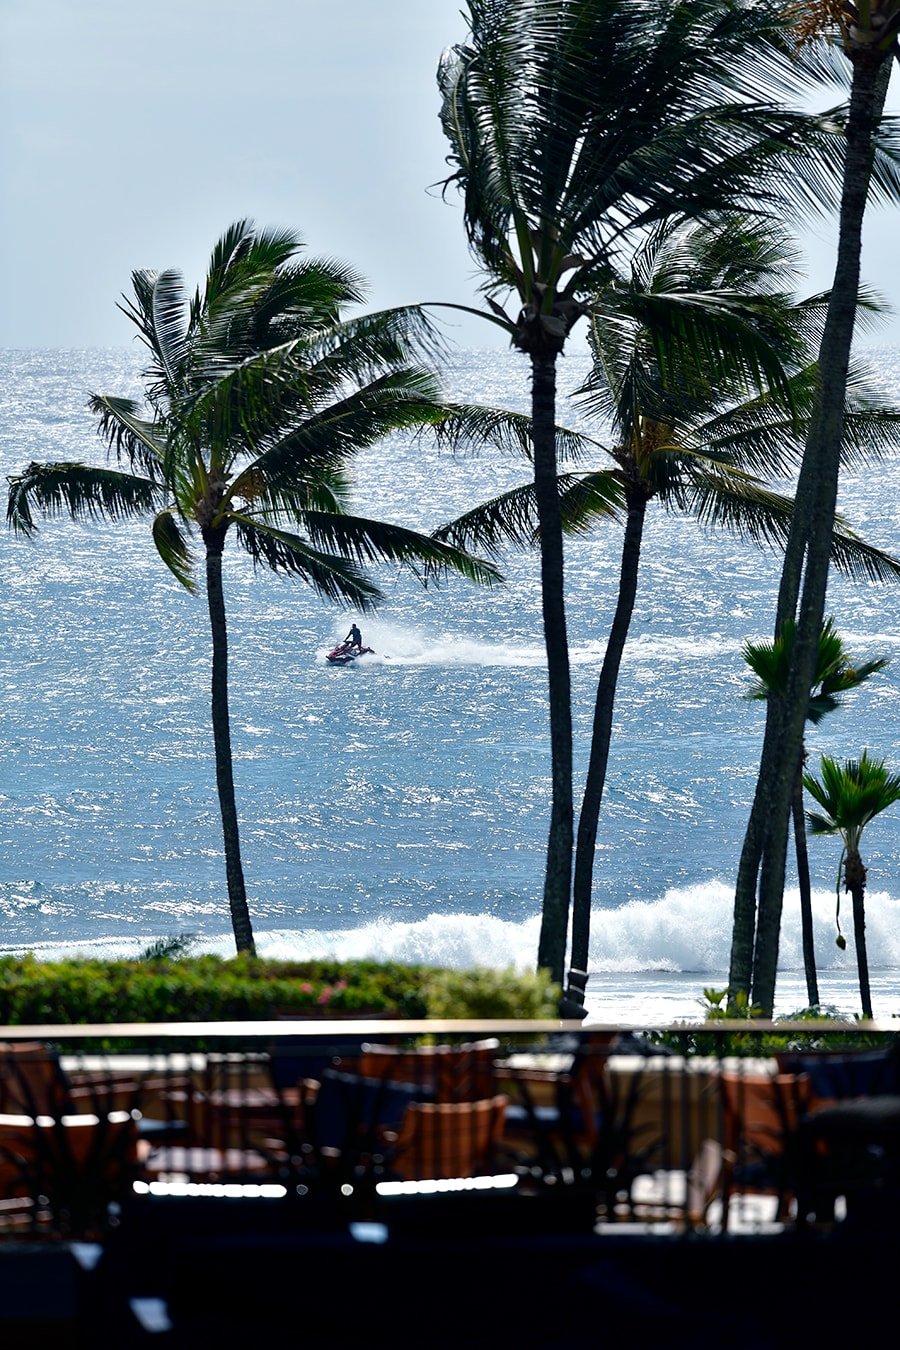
point(211, 989)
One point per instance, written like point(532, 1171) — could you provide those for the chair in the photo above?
point(838, 1075)
point(849, 1142)
point(31, 1081)
point(851, 1149)
point(448, 1073)
point(68, 1169)
point(761, 1118)
point(448, 1139)
point(551, 1118)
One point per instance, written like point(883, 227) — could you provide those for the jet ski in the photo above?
point(345, 653)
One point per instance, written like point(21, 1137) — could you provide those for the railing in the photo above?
point(549, 1126)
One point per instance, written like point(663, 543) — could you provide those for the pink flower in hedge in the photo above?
point(306, 987)
point(325, 996)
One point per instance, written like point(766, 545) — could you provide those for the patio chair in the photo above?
point(66, 1170)
point(761, 1118)
point(840, 1075)
point(551, 1118)
point(31, 1081)
point(448, 1139)
point(449, 1073)
point(346, 1126)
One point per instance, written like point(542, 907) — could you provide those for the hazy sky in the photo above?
point(132, 132)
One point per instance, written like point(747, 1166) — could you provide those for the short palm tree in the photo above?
point(850, 795)
point(573, 127)
point(835, 676)
point(258, 395)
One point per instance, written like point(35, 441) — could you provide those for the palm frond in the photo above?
point(835, 674)
point(742, 505)
point(855, 558)
point(129, 436)
point(361, 348)
point(327, 438)
point(511, 518)
point(374, 541)
point(478, 426)
point(160, 312)
point(332, 577)
point(172, 547)
point(81, 490)
point(850, 794)
point(508, 520)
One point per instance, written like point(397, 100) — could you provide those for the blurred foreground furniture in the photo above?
point(762, 1113)
point(848, 1141)
point(66, 1152)
point(448, 1139)
point(448, 1073)
point(64, 1172)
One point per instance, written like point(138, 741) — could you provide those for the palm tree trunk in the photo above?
point(855, 880)
point(803, 881)
point(237, 896)
point(809, 542)
point(636, 501)
point(743, 935)
point(558, 877)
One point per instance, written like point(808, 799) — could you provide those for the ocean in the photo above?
point(398, 809)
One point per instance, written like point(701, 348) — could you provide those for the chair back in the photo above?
point(762, 1110)
point(448, 1139)
point(449, 1073)
point(31, 1080)
point(70, 1168)
point(350, 1112)
point(839, 1075)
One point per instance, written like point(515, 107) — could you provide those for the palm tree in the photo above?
point(835, 676)
point(850, 795)
point(258, 396)
point(677, 345)
point(574, 126)
point(868, 36)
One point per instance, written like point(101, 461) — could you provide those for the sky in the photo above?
point(132, 132)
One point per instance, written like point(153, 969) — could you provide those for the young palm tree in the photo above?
point(850, 795)
point(868, 35)
point(574, 126)
point(258, 396)
point(834, 677)
point(676, 348)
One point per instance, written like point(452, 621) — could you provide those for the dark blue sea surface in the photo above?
point(400, 807)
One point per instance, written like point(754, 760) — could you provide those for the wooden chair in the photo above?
point(448, 1139)
point(761, 1119)
point(65, 1171)
point(31, 1081)
point(457, 1073)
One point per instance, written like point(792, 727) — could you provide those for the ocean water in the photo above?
point(399, 808)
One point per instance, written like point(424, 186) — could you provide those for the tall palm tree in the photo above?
point(258, 395)
point(850, 795)
point(835, 675)
point(677, 345)
point(574, 126)
point(867, 34)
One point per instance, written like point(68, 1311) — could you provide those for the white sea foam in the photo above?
point(412, 646)
point(686, 932)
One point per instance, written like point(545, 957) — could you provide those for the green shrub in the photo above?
point(201, 989)
point(210, 989)
point(484, 992)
